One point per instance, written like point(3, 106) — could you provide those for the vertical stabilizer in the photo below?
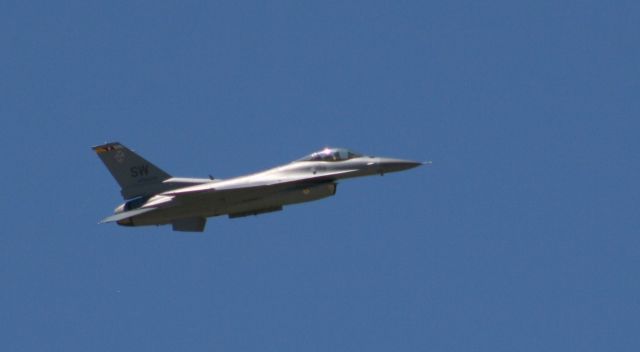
point(135, 175)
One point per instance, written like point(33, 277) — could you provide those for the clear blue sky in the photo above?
point(524, 235)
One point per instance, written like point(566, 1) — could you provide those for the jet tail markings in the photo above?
point(135, 175)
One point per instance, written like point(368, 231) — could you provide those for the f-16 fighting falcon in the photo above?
point(153, 197)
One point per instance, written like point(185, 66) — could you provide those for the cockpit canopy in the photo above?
point(331, 154)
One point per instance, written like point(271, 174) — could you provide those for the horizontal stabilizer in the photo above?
point(126, 215)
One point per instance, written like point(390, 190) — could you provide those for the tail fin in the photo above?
point(135, 175)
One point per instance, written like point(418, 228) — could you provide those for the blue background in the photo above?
point(523, 234)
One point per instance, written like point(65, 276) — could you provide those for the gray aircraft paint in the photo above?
point(153, 197)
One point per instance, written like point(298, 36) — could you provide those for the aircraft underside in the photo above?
point(191, 214)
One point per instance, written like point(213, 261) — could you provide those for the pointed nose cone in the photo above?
point(394, 165)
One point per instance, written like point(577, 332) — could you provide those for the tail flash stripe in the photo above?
point(107, 147)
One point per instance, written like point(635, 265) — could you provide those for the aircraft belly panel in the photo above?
point(234, 204)
point(291, 196)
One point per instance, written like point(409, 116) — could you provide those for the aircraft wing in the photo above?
point(126, 215)
point(267, 184)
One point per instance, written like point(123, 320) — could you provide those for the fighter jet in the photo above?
point(153, 197)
